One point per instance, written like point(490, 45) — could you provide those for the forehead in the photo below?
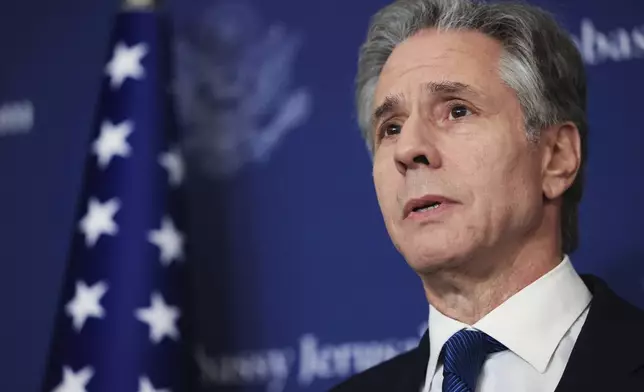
point(466, 57)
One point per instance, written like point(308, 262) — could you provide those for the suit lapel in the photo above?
point(413, 379)
point(608, 350)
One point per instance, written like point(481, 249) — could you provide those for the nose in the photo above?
point(415, 146)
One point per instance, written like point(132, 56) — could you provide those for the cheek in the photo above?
point(510, 186)
point(382, 184)
point(497, 174)
point(522, 170)
point(386, 185)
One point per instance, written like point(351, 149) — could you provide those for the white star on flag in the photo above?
point(146, 386)
point(86, 303)
point(126, 62)
point(173, 163)
point(75, 382)
point(161, 318)
point(99, 220)
point(169, 240)
point(111, 142)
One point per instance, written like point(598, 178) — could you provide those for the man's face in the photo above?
point(455, 176)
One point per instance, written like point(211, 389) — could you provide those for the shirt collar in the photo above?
point(531, 323)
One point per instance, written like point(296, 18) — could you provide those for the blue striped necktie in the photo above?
point(463, 356)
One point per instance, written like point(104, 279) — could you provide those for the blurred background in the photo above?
point(291, 282)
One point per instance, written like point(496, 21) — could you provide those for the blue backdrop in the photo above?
point(297, 284)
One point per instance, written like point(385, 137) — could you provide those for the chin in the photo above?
point(426, 255)
point(430, 261)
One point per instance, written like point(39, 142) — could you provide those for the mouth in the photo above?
point(425, 204)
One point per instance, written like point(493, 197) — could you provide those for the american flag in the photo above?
point(121, 323)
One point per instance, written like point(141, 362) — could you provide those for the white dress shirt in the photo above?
point(539, 325)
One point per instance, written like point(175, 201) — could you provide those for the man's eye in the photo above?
point(390, 129)
point(459, 111)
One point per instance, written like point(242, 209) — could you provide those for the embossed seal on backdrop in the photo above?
point(234, 86)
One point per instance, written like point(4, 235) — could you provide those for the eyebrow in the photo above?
point(392, 102)
point(448, 87)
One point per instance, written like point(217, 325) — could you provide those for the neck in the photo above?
point(471, 289)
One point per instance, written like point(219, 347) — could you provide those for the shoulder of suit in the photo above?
point(381, 376)
point(612, 304)
point(613, 323)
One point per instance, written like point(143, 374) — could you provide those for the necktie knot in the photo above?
point(463, 357)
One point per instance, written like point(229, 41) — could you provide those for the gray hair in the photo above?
point(540, 63)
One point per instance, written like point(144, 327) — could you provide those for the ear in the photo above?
point(561, 158)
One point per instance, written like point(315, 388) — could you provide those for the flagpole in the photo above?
point(142, 5)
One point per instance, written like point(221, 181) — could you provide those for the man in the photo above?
point(475, 116)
